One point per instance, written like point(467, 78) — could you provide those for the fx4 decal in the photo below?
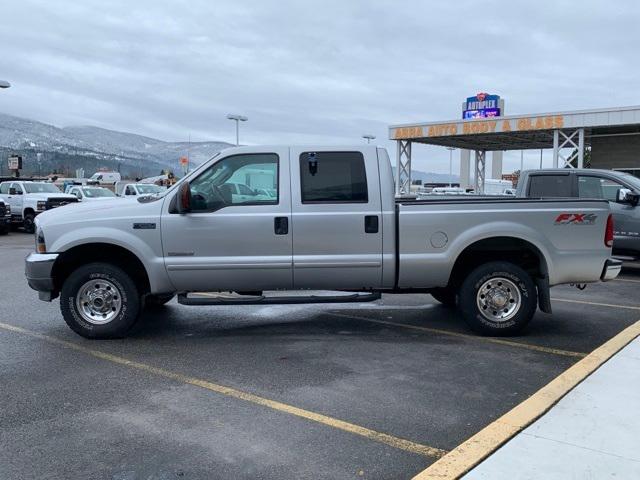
point(576, 219)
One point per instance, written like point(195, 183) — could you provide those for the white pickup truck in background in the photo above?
point(28, 199)
point(332, 224)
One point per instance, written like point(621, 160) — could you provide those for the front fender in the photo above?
point(146, 246)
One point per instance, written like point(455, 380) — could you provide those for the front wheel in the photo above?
point(28, 223)
point(100, 300)
point(498, 298)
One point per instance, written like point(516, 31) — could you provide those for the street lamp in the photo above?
point(451, 149)
point(238, 119)
point(369, 137)
point(4, 84)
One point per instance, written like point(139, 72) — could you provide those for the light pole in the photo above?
point(369, 137)
point(4, 84)
point(238, 119)
point(451, 149)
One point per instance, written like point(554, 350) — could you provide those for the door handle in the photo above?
point(371, 224)
point(281, 225)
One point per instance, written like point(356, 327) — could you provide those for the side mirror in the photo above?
point(624, 195)
point(12, 191)
point(184, 198)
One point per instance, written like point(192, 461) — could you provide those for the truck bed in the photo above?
point(434, 232)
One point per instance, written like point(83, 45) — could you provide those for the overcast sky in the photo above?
point(310, 71)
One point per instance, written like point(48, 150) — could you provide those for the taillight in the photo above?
point(608, 233)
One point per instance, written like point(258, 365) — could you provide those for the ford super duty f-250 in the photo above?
point(333, 224)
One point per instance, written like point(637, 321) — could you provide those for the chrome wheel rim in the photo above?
point(498, 299)
point(99, 301)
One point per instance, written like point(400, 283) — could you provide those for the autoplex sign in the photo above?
point(482, 105)
point(497, 125)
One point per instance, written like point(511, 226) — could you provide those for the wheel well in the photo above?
point(505, 249)
point(75, 257)
point(27, 211)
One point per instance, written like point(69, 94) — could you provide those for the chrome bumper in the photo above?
point(611, 269)
point(38, 270)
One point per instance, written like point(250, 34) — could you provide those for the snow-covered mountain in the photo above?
point(26, 136)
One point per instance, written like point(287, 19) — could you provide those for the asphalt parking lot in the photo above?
point(377, 390)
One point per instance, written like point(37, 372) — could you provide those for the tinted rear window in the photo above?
point(333, 177)
point(550, 186)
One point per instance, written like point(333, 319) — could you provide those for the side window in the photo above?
point(129, 191)
point(216, 188)
point(244, 190)
point(596, 187)
point(4, 188)
point(550, 186)
point(17, 187)
point(333, 177)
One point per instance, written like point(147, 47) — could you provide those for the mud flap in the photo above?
point(544, 295)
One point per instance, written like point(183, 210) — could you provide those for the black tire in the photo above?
point(484, 320)
point(126, 315)
point(28, 223)
point(446, 296)
point(157, 301)
point(4, 230)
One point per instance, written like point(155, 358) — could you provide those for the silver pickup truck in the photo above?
point(328, 221)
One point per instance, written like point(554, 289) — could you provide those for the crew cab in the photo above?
point(334, 224)
point(5, 217)
point(28, 199)
point(620, 189)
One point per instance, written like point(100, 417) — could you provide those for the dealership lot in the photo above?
point(376, 390)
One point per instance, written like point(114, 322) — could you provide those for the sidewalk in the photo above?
point(592, 433)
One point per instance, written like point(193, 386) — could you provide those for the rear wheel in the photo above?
point(498, 298)
point(446, 296)
point(29, 223)
point(4, 229)
point(100, 300)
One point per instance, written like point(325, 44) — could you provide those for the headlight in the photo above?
point(42, 205)
point(41, 247)
point(8, 209)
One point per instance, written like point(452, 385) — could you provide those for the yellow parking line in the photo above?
point(629, 307)
point(470, 453)
point(499, 341)
point(396, 442)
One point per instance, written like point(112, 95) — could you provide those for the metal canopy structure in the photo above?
point(567, 133)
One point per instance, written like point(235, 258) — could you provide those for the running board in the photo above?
point(225, 299)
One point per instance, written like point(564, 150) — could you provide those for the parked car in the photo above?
point(621, 190)
point(5, 217)
point(333, 225)
point(28, 199)
point(135, 189)
point(91, 194)
point(105, 178)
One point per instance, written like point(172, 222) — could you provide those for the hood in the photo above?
point(98, 212)
point(97, 199)
point(48, 195)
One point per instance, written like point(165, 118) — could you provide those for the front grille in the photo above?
point(3, 210)
point(58, 202)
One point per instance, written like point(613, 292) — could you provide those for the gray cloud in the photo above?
point(313, 71)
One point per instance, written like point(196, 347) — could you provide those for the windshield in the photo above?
point(97, 192)
point(41, 188)
point(145, 189)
